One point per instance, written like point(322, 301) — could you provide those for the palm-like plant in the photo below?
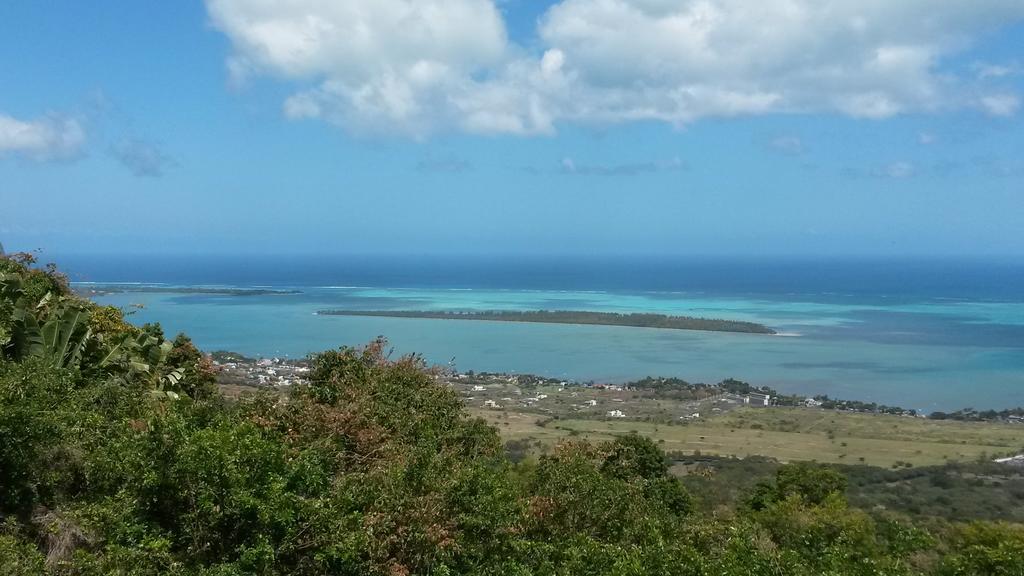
point(65, 335)
point(134, 353)
point(55, 329)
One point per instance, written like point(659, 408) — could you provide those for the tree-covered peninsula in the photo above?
point(636, 320)
point(89, 290)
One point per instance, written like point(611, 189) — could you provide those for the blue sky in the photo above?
point(468, 126)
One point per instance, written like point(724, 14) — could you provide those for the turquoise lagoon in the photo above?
point(930, 352)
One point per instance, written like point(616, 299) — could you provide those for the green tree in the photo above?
point(811, 483)
point(991, 548)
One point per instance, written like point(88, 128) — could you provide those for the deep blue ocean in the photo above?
point(921, 333)
point(909, 279)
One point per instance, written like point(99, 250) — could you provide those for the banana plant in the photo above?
point(61, 338)
point(56, 330)
point(10, 286)
point(172, 378)
point(135, 354)
point(24, 334)
point(65, 335)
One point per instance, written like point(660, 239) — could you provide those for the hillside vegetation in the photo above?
point(118, 456)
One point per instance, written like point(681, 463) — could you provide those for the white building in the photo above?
point(616, 414)
point(755, 399)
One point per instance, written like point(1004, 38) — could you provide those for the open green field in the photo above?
point(789, 434)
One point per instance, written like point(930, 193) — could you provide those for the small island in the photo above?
point(636, 320)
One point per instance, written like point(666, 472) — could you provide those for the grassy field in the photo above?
point(789, 434)
point(544, 415)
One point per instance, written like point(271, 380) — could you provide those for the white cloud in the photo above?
point(419, 66)
point(570, 166)
point(985, 70)
point(926, 138)
point(898, 170)
point(49, 138)
point(551, 63)
point(863, 58)
point(361, 38)
point(1000, 104)
point(391, 64)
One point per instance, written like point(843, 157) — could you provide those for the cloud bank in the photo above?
point(417, 67)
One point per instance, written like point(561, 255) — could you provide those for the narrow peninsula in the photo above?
point(105, 290)
point(636, 320)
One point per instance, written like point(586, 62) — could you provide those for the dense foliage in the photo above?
point(117, 456)
point(933, 494)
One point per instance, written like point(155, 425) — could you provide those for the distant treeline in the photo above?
point(858, 406)
point(636, 320)
point(972, 415)
point(225, 356)
point(94, 290)
point(522, 380)
point(680, 389)
point(678, 386)
point(671, 387)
